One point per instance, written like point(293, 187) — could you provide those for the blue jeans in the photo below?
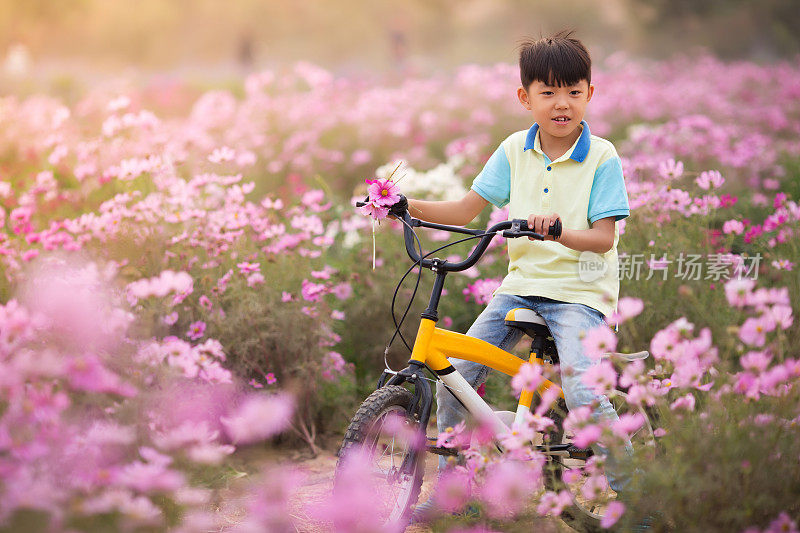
point(566, 322)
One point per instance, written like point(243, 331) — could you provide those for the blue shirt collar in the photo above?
point(581, 149)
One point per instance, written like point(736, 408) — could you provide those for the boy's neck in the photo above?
point(555, 147)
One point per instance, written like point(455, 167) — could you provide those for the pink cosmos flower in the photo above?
point(88, 373)
point(732, 226)
point(325, 273)
point(782, 524)
point(286, 296)
point(149, 477)
point(627, 425)
point(518, 436)
point(248, 268)
point(333, 365)
point(375, 211)
point(508, 486)
point(627, 308)
point(539, 423)
point(453, 437)
point(222, 154)
point(482, 290)
point(753, 331)
point(553, 503)
point(196, 330)
point(614, 512)
point(313, 292)
point(259, 417)
point(598, 341)
point(670, 169)
point(639, 395)
point(383, 193)
point(529, 377)
point(205, 303)
point(587, 436)
point(337, 314)
point(549, 397)
point(270, 377)
point(210, 453)
point(342, 291)
point(709, 179)
point(594, 486)
point(684, 402)
point(738, 291)
point(781, 315)
point(601, 377)
point(783, 264)
point(756, 361)
point(453, 491)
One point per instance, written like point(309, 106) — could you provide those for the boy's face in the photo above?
point(557, 110)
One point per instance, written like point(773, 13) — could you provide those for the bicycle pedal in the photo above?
point(580, 453)
point(431, 447)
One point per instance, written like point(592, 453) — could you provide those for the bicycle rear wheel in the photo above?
point(589, 506)
point(384, 434)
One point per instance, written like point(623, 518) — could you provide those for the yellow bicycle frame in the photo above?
point(434, 345)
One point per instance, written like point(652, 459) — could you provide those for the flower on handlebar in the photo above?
point(382, 194)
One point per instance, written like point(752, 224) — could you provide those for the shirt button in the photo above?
point(549, 168)
point(546, 189)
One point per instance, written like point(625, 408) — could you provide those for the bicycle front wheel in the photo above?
point(383, 434)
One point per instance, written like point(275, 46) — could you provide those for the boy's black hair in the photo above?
point(557, 60)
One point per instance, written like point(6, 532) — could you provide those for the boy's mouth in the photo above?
point(561, 119)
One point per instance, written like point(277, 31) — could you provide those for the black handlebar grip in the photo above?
point(555, 229)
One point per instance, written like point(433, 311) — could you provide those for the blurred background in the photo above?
point(72, 41)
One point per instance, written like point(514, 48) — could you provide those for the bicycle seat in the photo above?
point(533, 324)
point(528, 321)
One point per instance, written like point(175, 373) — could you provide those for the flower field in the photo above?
point(186, 281)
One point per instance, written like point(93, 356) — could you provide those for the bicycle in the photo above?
point(403, 468)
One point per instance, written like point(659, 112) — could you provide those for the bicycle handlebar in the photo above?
point(511, 229)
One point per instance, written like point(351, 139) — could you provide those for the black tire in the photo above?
point(365, 432)
point(581, 515)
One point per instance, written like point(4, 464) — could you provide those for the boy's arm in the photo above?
point(453, 212)
point(599, 238)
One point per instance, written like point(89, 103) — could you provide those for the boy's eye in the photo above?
point(576, 91)
point(547, 92)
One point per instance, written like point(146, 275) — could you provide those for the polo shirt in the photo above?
point(583, 185)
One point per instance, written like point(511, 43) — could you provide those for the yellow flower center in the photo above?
point(384, 192)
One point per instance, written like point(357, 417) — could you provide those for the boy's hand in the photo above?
point(541, 224)
point(399, 208)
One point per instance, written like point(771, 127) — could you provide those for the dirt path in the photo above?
point(319, 483)
point(316, 487)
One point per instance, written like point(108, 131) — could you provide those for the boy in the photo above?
point(554, 170)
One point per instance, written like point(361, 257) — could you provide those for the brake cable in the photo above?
point(416, 286)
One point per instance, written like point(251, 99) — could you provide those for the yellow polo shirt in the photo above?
point(582, 186)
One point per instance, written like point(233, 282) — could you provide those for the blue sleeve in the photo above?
point(494, 181)
point(608, 197)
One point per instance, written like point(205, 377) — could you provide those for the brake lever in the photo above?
point(511, 234)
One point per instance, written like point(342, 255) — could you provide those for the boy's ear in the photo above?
point(522, 94)
point(590, 93)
